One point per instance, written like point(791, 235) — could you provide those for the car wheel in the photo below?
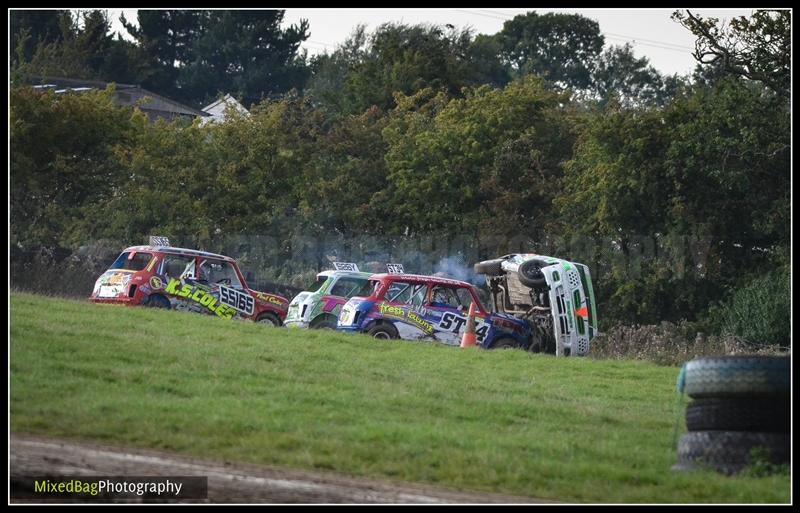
point(324, 322)
point(489, 267)
point(383, 331)
point(269, 319)
point(505, 343)
point(531, 275)
point(157, 301)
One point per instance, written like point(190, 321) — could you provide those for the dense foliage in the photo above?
point(675, 192)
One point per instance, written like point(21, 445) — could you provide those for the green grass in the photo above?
point(569, 429)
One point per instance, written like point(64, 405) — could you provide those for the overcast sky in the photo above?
point(654, 35)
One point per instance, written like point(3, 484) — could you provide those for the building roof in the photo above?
point(125, 94)
point(216, 110)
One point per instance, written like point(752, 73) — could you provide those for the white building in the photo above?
point(216, 110)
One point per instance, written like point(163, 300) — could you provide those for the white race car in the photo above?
point(555, 295)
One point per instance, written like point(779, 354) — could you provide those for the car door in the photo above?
point(403, 305)
point(447, 308)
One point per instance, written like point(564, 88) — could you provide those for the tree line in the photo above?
point(674, 190)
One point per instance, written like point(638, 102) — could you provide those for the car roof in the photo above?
point(420, 278)
point(179, 251)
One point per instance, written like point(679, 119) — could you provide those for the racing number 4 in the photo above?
point(453, 323)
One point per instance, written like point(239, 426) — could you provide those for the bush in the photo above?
point(669, 343)
point(758, 311)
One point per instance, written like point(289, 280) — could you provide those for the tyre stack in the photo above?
point(738, 414)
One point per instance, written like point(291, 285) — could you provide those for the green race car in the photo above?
point(319, 306)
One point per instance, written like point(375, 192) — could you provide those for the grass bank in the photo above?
point(571, 429)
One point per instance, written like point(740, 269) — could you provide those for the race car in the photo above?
point(184, 279)
point(554, 295)
point(417, 307)
point(319, 306)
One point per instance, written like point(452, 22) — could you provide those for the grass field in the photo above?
point(570, 429)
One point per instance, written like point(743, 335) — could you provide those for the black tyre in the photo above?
point(156, 301)
point(324, 322)
point(383, 331)
point(489, 267)
point(730, 451)
point(531, 275)
point(270, 319)
point(749, 414)
point(737, 376)
point(505, 343)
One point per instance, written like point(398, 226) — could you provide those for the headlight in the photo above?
point(96, 286)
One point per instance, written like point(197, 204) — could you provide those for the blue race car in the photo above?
point(416, 307)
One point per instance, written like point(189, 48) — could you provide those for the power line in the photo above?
point(662, 45)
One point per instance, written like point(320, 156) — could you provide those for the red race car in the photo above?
point(185, 279)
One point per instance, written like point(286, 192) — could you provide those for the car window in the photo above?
point(418, 295)
point(214, 271)
point(448, 296)
point(135, 263)
point(189, 272)
point(347, 287)
point(444, 296)
point(174, 265)
point(464, 297)
point(318, 283)
point(408, 293)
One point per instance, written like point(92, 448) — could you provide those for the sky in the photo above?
point(654, 35)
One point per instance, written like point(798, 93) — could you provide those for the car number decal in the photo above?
point(454, 323)
point(236, 299)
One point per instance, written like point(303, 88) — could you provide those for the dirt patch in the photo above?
point(227, 482)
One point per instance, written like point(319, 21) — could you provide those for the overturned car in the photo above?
point(554, 295)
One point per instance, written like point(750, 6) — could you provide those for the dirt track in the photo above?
point(227, 482)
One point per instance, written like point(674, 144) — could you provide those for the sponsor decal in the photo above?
point(236, 299)
point(506, 325)
point(117, 279)
point(270, 299)
point(156, 283)
point(408, 316)
point(199, 295)
point(330, 304)
point(152, 264)
point(395, 311)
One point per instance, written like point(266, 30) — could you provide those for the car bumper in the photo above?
point(113, 300)
point(296, 323)
point(351, 329)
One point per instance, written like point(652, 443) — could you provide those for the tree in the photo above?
point(248, 54)
point(85, 48)
point(29, 29)
point(561, 48)
point(708, 172)
point(402, 58)
point(487, 161)
point(195, 55)
point(630, 80)
point(62, 158)
point(167, 38)
point(757, 48)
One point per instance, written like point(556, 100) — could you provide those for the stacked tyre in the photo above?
point(738, 414)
